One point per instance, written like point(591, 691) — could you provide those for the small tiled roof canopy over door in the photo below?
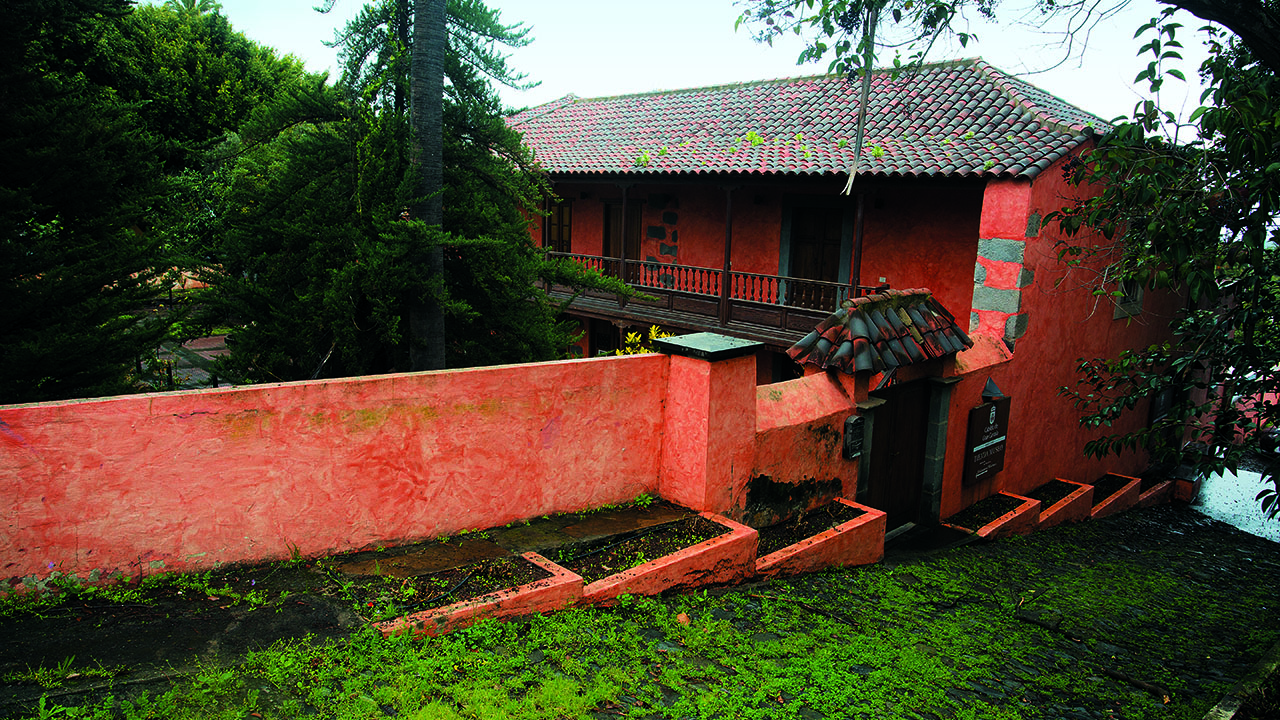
point(954, 119)
point(882, 332)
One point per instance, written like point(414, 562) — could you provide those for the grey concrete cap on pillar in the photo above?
point(707, 346)
point(1002, 250)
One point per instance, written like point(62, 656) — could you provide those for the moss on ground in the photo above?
point(1047, 626)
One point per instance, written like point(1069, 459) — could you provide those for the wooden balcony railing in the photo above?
point(753, 298)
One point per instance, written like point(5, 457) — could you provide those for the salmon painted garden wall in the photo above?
point(191, 479)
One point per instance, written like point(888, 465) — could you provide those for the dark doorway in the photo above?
point(614, 236)
point(602, 338)
point(816, 237)
point(895, 483)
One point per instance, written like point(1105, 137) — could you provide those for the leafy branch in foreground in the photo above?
point(1198, 219)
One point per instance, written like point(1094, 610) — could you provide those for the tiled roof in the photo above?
point(962, 118)
point(882, 332)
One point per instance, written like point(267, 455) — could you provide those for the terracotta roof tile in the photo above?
point(881, 332)
point(962, 118)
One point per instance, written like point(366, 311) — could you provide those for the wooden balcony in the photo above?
point(768, 308)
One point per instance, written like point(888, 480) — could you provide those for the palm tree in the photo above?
point(193, 8)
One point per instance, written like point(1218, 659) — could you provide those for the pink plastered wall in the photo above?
point(188, 480)
point(924, 236)
point(800, 431)
point(1065, 322)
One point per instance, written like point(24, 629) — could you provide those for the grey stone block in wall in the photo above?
point(666, 249)
point(1016, 326)
point(1007, 301)
point(1033, 225)
point(669, 218)
point(974, 321)
point(657, 231)
point(1002, 250)
point(1026, 277)
point(979, 274)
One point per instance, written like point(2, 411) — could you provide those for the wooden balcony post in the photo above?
point(855, 278)
point(726, 280)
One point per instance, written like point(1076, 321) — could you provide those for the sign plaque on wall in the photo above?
point(988, 436)
point(853, 437)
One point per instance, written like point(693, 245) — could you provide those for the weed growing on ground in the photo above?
point(941, 637)
point(56, 676)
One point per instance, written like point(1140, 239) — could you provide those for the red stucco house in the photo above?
point(725, 206)
point(901, 346)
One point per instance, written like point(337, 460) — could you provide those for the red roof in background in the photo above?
point(955, 119)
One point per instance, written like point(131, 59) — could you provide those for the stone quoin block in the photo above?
point(1002, 250)
point(1006, 301)
point(1016, 326)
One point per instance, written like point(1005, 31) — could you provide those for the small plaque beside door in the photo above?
point(853, 437)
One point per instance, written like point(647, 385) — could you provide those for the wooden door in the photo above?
point(896, 480)
point(614, 235)
point(816, 237)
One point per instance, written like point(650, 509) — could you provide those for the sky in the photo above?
point(592, 49)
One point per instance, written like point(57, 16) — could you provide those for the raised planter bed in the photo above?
point(560, 589)
point(726, 558)
point(1013, 515)
point(858, 541)
point(1114, 493)
point(1075, 506)
point(1155, 493)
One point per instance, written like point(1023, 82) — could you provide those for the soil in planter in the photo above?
point(984, 511)
point(385, 597)
point(600, 560)
point(776, 537)
point(1107, 486)
point(1051, 492)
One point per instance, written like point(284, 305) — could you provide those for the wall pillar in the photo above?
point(1001, 271)
point(935, 447)
point(709, 422)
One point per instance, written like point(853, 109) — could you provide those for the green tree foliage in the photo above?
point(103, 114)
point(77, 175)
point(845, 29)
point(191, 76)
point(1198, 218)
point(323, 258)
point(193, 8)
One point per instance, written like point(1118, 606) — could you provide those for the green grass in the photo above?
point(938, 638)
